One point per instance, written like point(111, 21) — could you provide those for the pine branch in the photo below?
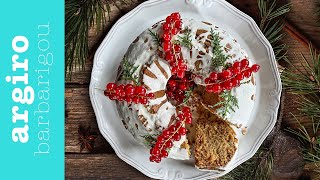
point(258, 167)
point(188, 94)
point(156, 38)
point(227, 104)
point(271, 25)
point(79, 17)
point(128, 71)
point(218, 59)
point(306, 81)
point(310, 141)
point(185, 40)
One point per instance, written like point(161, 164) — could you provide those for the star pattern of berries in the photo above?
point(129, 93)
point(169, 135)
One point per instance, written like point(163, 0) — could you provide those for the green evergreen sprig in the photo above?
point(271, 24)
point(185, 40)
point(155, 37)
point(79, 17)
point(219, 59)
point(227, 103)
point(128, 71)
point(307, 80)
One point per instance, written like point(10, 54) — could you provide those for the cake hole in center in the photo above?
point(179, 90)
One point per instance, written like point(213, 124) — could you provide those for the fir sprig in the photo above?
point(128, 71)
point(185, 40)
point(218, 58)
point(155, 37)
point(80, 16)
point(227, 103)
point(188, 94)
point(307, 80)
point(258, 167)
point(271, 25)
point(310, 141)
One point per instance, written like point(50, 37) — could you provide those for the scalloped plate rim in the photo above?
point(276, 93)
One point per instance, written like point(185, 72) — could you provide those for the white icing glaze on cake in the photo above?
point(140, 120)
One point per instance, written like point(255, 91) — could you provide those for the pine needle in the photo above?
point(185, 40)
point(227, 104)
point(271, 25)
point(218, 58)
point(306, 81)
point(156, 38)
point(80, 15)
point(128, 71)
point(258, 167)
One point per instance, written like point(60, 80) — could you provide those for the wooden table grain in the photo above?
point(103, 163)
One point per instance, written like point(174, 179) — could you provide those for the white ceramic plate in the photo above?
point(114, 46)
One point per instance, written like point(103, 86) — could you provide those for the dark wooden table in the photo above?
point(103, 162)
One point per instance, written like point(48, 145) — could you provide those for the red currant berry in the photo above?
point(111, 86)
point(178, 124)
point(180, 74)
point(182, 131)
point(150, 95)
point(213, 76)
point(169, 144)
point(169, 19)
point(143, 100)
point(216, 88)
point(209, 88)
point(135, 100)
point(157, 145)
point(157, 160)
point(164, 153)
point(176, 137)
point(152, 158)
point(183, 86)
point(178, 24)
point(184, 67)
point(181, 117)
point(141, 90)
point(235, 82)
point(177, 48)
point(207, 81)
point(174, 31)
point(167, 46)
point(244, 63)
point(186, 110)
point(130, 90)
point(160, 138)
point(167, 36)
point(236, 64)
point(169, 56)
point(155, 151)
point(226, 74)
point(113, 97)
point(247, 73)
point(188, 120)
point(122, 94)
point(236, 70)
point(188, 114)
point(239, 77)
point(128, 99)
point(118, 90)
point(170, 94)
point(172, 128)
point(174, 70)
point(255, 68)
point(175, 16)
point(166, 133)
point(166, 26)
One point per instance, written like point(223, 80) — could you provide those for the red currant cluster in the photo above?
point(231, 77)
point(172, 133)
point(176, 87)
point(128, 93)
point(172, 51)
